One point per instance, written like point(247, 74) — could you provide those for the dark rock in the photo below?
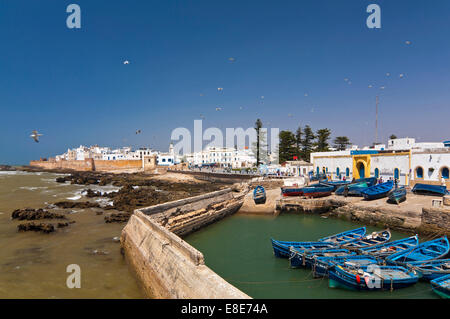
point(34, 214)
point(82, 205)
point(45, 228)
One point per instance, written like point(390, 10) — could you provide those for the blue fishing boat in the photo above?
point(371, 277)
point(389, 248)
point(373, 239)
point(432, 269)
point(317, 190)
point(425, 189)
point(292, 191)
point(370, 181)
point(353, 189)
point(433, 249)
point(281, 248)
point(378, 191)
point(397, 195)
point(305, 258)
point(335, 184)
point(441, 286)
point(322, 265)
point(259, 195)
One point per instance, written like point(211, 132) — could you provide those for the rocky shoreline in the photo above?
point(137, 190)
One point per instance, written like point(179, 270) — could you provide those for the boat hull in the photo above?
point(441, 286)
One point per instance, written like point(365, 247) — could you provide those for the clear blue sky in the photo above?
point(72, 85)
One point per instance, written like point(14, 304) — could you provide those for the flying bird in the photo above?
point(401, 75)
point(35, 136)
point(232, 60)
point(408, 42)
point(138, 132)
point(220, 89)
point(218, 109)
point(126, 62)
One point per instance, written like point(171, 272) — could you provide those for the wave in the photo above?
point(33, 188)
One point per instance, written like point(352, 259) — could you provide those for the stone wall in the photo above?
point(166, 265)
point(89, 165)
point(436, 220)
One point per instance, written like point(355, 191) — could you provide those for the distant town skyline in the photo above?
point(155, 66)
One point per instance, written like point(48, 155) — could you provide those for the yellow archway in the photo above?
point(358, 161)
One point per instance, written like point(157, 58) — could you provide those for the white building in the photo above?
point(222, 157)
point(404, 159)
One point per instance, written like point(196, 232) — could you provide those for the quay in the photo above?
point(166, 265)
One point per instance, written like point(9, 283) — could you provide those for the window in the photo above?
point(338, 171)
point(377, 172)
point(445, 173)
point(419, 172)
point(347, 172)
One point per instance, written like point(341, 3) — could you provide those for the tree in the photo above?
point(298, 141)
point(323, 135)
point(307, 142)
point(393, 137)
point(341, 143)
point(286, 147)
point(258, 126)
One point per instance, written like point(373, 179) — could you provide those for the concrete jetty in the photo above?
point(166, 265)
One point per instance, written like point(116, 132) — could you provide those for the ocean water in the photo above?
point(33, 265)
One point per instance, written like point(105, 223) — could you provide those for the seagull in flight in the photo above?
point(35, 136)
point(138, 132)
point(126, 62)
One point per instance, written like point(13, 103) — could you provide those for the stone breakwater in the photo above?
point(417, 216)
point(167, 266)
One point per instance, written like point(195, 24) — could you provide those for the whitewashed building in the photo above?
point(222, 157)
point(404, 159)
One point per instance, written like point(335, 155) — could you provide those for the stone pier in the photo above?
point(166, 265)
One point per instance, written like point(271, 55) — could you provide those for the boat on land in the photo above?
point(433, 190)
point(441, 286)
point(389, 248)
point(292, 191)
point(397, 196)
point(370, 181)
point(259, 195)
point(373, 239)
point(430, 250)
point(317, 190)
point(378, 191)
point(432, 269)
point(335, 184)
point(305, 258)
point(353, 189)
point(318, 177)
point(322, 265)
point(281, 248)
point(371, 277)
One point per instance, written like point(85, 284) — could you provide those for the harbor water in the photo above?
point(239, 249)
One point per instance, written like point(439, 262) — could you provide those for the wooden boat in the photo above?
point(322, 265)
point(281, 248)
point(378, 191)
point(305, 258)
point(259, 195)
point(389, 248)
point(430, 250)
point(432, 269)
point(370, 181)
point(317, 190)
point(371, 277)
point(318, 177)
point(292, 191)
point(397, 195)
point(441, 286)
point(353, 189)
point(373, 239)
point(425, 189)
point(335, 184)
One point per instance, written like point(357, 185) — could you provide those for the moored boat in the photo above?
point(441, 286)
point(305, 258)
point(389, 248)
point(378, 191)
point(373, 239)
point(430, 250)
point(432, 269)
point(425, 189)
point(322, 265)
point(281, 248)
point(371, 277)
point(259, 195)
point(397, 196)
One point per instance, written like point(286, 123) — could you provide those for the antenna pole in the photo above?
point(376, 121)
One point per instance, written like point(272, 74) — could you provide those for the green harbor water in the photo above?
point(238, 248)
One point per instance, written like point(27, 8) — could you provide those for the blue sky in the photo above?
point(72, 84)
